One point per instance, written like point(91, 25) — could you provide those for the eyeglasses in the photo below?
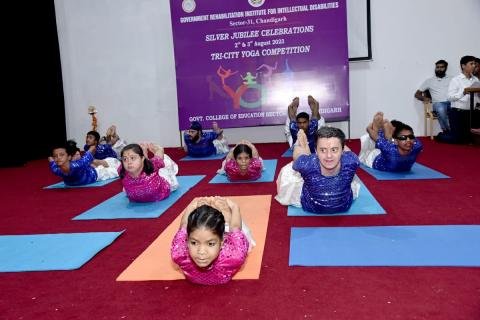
point(405, 137)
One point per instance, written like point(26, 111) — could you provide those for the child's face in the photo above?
point(76, 156)
point(90, 140)
point(405, 140)
point(204, 247)
point(60, 156)
point(132, 162)
point(302, 124)
point(243, 160)
point(329, 152)
point(469, 67)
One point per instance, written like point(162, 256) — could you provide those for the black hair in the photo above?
point(95, 134)
point(331, 132)
point(195, 125)
point(147, 164)
point(242, 148)
point(303, 115)
point(466, 59)
point(206, 217)
point(399, 126)
point(442, 62)
point(70, 147)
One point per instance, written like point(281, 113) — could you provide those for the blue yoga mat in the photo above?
point(268, 174)
point(42, 252)
point(288, 153)
point(364, 204)
point(448, 245)
point(212, 157)
point(119, 207)
point(417, 172)
point(62, 185)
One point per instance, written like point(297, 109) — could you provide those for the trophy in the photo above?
point(92, 111)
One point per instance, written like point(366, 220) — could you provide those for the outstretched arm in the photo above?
point(301, 146)
point(217, 129)
point(262, 66)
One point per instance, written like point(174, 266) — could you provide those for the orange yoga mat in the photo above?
point(155, 262)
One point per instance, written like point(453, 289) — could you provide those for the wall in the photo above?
point(118, 56)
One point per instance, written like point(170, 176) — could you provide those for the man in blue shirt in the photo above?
point(103, 150)
point(200, 144)
point(303, 121)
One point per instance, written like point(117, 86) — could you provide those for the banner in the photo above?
point(241, 62)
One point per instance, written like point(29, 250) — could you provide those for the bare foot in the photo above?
point(314, 105)
point(292, 108)
point(388, 129)
point(295, 103)
point(475, 130)
point(378, 121)
point(111, 131)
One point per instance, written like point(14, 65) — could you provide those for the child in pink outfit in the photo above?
point(203, 249)
point(242, 163)
point(143, 179)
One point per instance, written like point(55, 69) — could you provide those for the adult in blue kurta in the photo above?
point(199, 144)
